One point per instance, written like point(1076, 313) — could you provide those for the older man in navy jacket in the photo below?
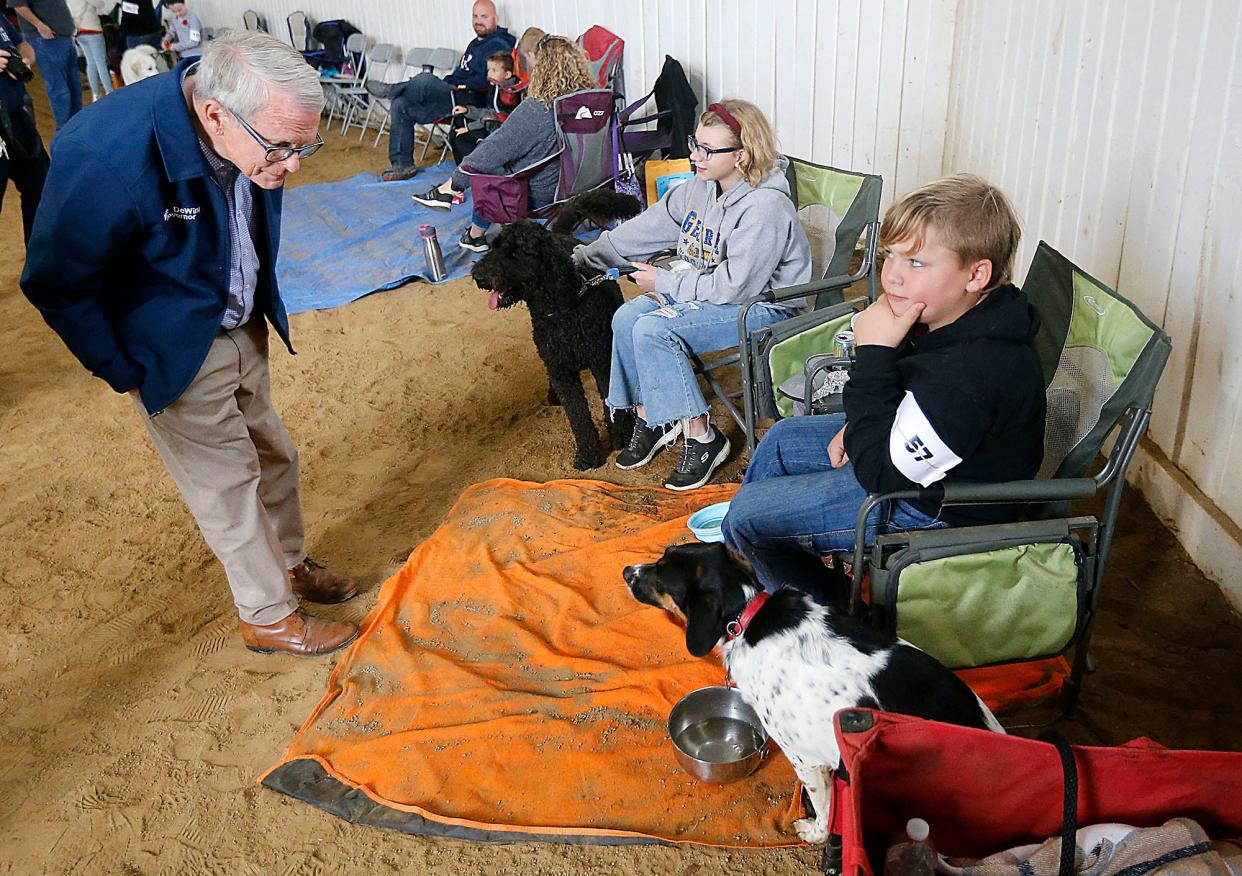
point(153, 257)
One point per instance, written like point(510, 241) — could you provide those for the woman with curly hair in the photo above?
point(527, 136)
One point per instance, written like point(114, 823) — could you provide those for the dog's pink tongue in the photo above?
point(493, 300)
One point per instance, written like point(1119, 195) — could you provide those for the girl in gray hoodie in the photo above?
point(737, 234)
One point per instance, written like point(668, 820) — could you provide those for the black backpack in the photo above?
point(332, 36)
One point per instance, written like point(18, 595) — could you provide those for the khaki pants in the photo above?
point(237, 469)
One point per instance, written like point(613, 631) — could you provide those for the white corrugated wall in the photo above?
point(862, 85)
point(1115, 126)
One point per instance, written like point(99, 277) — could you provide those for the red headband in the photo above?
point(727, 118)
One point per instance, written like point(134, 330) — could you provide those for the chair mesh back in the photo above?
point(586, 120)
point(1082, 384)
point(1100, 357)
point(835, 207)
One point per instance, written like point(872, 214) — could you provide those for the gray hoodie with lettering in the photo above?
point(738, 244)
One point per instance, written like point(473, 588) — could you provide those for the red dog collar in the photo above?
point(737, 627)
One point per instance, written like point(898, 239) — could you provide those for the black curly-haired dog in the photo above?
point(571, 321)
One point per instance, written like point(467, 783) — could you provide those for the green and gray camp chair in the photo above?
point(837, 209)
point(987, 595)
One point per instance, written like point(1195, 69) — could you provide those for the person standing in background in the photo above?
point(91, 40)
point(140, 24)
point(48, 26)
point(22, 156)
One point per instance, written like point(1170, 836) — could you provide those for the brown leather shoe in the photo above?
point(300, 634)
point(312, 581)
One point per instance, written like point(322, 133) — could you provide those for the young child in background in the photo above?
point(472, 123)
point(186, 37)
point(946, 387)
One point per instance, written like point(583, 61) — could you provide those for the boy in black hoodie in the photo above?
point(946, 386)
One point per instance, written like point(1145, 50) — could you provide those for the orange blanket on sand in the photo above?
point(506, 686)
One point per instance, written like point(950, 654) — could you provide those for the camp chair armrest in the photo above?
point(806, 290)
point(651, 118)
point(1053, 490)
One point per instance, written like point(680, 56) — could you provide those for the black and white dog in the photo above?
point(571, 320)
point(797, 663)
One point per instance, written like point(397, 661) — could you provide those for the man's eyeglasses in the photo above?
point(279, 153)
point(696, 146)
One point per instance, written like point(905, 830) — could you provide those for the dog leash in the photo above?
point(736, 627)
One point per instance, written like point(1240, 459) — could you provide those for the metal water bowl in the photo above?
point(717, 737)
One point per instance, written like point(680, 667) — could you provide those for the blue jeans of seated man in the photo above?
point(58, 63)
point(793, 507)
point(419, 101)
point(650, 352)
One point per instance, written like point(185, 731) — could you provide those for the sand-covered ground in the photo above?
point(134, 724)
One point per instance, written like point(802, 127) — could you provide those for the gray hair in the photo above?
point(239, 69)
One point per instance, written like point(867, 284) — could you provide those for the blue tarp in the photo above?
point(342, 240)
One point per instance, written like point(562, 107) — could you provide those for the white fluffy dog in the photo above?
point(141, 62)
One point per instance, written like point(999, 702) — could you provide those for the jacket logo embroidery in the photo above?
point(186, 213)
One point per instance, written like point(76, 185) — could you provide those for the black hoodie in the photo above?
point(962, 403)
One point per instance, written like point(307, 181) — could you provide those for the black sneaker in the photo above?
point(698, 463)
point(646, 442)
point(474, 244)
point(435, 198)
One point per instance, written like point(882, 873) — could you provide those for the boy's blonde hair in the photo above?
point(972, 217)
point(560, 69)
point(757, 138)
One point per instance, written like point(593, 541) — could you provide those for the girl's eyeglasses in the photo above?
point(696, 146)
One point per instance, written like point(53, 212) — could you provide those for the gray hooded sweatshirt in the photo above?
point(744, 242)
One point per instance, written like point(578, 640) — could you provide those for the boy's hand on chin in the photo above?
point(879, 326)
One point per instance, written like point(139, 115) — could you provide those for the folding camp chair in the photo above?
point(349, 84)
point(838, 209)
point(985, 595)
point(604, 51)
point(252, 20)
point(676, 106)
point(299, 26)
point(360, 96)
point(586, 123)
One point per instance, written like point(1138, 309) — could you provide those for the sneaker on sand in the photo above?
point(698, 463)
point(646, 442)
point(435, 198)
point(397, 174)
point(473, 244)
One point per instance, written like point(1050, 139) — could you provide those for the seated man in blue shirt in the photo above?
point(153, 257)
point(427, 98)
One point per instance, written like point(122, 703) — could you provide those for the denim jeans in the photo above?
point(651, 347)
point(793, 507)
point(424, 99)
point(96, 55)
point(58, 62)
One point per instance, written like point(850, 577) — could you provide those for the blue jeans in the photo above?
point(651, 352)
point(793, 507)
point(96, 55)
point(58, 62)
point(419, 101)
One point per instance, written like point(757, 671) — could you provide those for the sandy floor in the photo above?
point(135, 724)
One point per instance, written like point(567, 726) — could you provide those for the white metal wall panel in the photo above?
point(1116, 127)
point(857, 84)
